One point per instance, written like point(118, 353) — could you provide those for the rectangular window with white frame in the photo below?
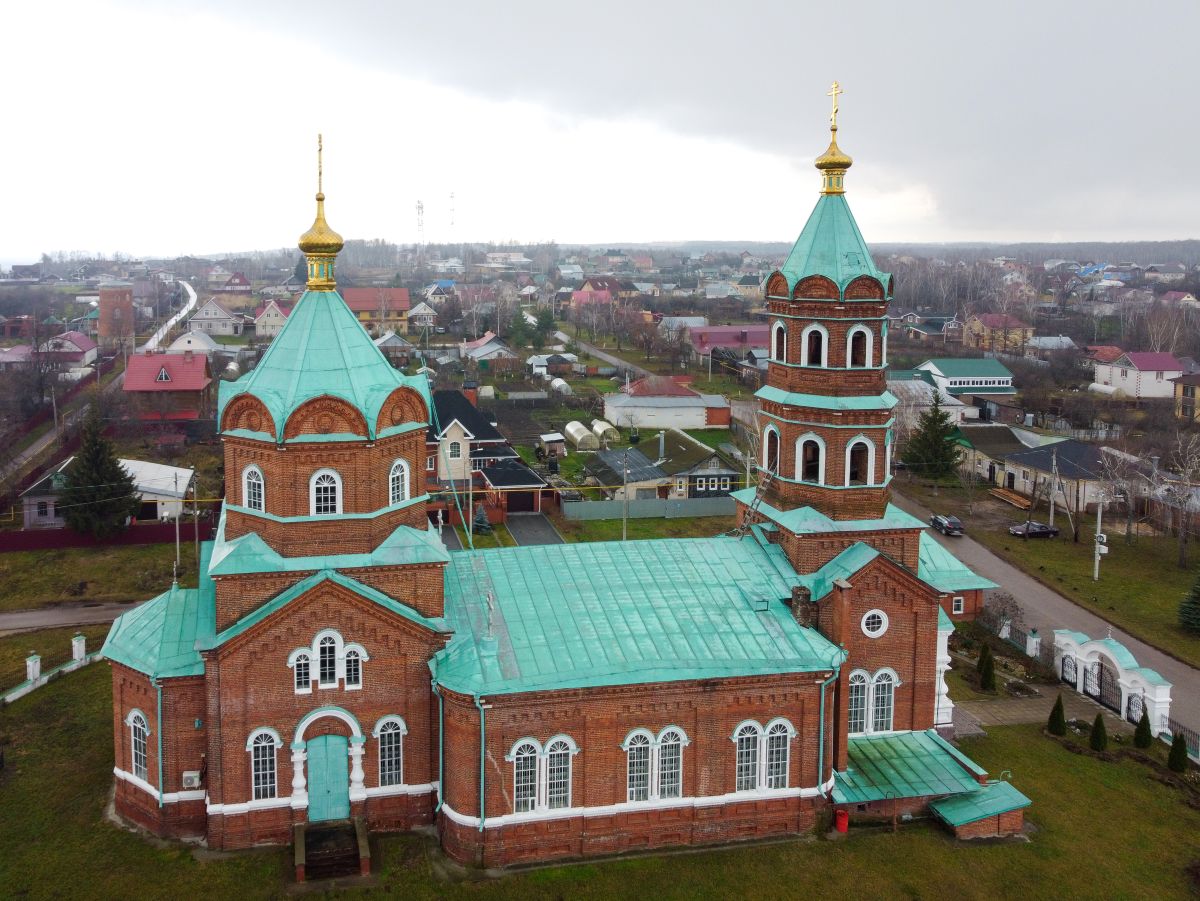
point(958, 605)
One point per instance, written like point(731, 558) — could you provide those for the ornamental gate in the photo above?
point(1068, 670)
point(1134, 713)
point(1100, 683)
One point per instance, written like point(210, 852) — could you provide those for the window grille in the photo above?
point(525, 778)
point(747, 759)
point(558, 775)
point(263, 765)
point(138, 731)
point(639, 768)
point(303, 673)
point(327, 661)
point(670, 765)
point(391, 754)
point(777, 756)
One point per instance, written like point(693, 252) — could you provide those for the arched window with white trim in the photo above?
point(301, 664)
point(390, 732)
point(670, 762)
point(253, 494)
point(525, 776)
point(398, 482)
point(779, 737)
point(637, 767)
point(353, 666)
point(327, 662)
point(325, 493)
point(763, 755)
point(814, 346)
point(857, 703)
point(558, 774)
point(810, 458)
point(882, 701)
point(455, 450)
point(770, 456)
point(263, 745)
point(779, 342)
point(859, 349)
point(139, 733)
point(746, 774)
point(860, 461)
point(654, 765)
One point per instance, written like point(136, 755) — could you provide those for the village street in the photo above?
point(602, 355)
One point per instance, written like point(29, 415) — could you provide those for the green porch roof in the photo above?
point(250, 554)
point(991, 800)
point(885, 401)
point(831, 245)
point(945, 623)
point(803, 520)
point(159, 638)
point(322, 349)
point(904, 765)
point(614, 613)
point(945, 572)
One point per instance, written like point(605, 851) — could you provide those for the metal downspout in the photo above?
point(158, 689)
point(821, 739)
point(482, 757)
point(441, 743)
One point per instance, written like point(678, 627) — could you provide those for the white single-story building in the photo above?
point(161, 488)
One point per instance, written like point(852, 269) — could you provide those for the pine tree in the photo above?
point(984, 655)
point(1057, 724)
point(1189, 610)
point(97, 497)
point(1099, 740)
point(1177, 760)
point(1142, 736)
point(930, 449)
point(987, 676)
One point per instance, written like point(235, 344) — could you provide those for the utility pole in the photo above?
point(625, 496)
point(178, 512)
point(196, 518)
point(1054, 483)
point(1101, 543)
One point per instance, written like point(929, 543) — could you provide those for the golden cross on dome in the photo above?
point(320, 147)
point(833, 92)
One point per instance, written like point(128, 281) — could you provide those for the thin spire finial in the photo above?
point(321, 147)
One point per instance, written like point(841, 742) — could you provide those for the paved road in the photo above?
point(532, 528)
point(60, 616)
point(153, 341)
point(602, 355)
point(450, 539)
point(1048, 610)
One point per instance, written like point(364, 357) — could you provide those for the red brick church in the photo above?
point(538, 703)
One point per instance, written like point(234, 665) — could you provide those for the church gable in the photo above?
point(325, 416)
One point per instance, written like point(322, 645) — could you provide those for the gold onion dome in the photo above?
point(834, 157)
point(833, 163)
point(320, 238)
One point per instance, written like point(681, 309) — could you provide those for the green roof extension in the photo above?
point(803, 520)
point(614, 613)
point(831, 245)
point(884, 401)
point(844, 565)
point(322, 349)
point(945, 623)
point(991, 800)
point(945, 572)
point(970, 367)
point(904, 765)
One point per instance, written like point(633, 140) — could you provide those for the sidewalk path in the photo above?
point(1048, 610)
point(602, 355)
point(61, 616)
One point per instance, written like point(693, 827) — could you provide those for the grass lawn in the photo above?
point(1140, 585)
point(610, 529)
point(1104, 830)
point(54, 646)
point(75, 575)
point(499, 537)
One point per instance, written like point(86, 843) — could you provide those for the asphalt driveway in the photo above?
point(532, 528)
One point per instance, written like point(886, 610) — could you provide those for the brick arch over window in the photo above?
point(403, 405)
point(777, 285)
point(247, 412)
point(323, 416)
point(817, 286)
point(864, 288)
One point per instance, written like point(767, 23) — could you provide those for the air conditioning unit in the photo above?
point(191, 779)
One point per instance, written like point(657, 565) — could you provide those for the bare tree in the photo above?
point(1125, 479)
point(1176, 488)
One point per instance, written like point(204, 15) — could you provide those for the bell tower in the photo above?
point(825, 425)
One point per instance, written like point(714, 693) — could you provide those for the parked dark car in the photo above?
point(1033, 530)
point(947, 525)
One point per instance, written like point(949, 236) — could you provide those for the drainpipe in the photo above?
point(441, 743)
point(158, 690)
point(821, 737)
point(482, 757)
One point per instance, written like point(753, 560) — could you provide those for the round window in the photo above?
point(874, 623)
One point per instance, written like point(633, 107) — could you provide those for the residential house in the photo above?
point(661, 402)
point(672, 465)
point(194, 342)
point(750, 287)
point(379, 310)
point(997, 332)
point(15, 357)
point(421, 317)
point(1166, 274)
point(216, 319)
point(739, 338)
point(269, 318)
point(1080, 468)
point(71, 348)
point(236, 284)
point(438, 291)
point(914, 390)
point(164, 386)
point(934, 329)
point(1186, 407)
point(160, 488)
point(218, 275)
point(609, 284)
point(985, 447)
point(395, 347)
point(450, 266)
point(986, 383)
point(513, 487)
point(570, 273)
point(555, 364)
point(672, 325)
point(1180, 298)
point(487, 349)
point(1041, 347)
point(1142, 375)
point(1100, 353)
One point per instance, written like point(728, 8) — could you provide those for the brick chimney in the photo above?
point(471, 390)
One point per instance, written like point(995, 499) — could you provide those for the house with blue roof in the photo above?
point(336, 664)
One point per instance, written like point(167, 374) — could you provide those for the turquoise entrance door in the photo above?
point(328, 778)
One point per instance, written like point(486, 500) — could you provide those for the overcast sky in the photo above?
point(169, 127)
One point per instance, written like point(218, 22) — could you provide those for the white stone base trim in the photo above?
point(250, 806)
point(387, 791)
point(300, 803)
point(512, 819)
point(168, 797)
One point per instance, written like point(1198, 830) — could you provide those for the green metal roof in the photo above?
point(945, 572)
point(305, 585)
point(322, 349)
point(159, 637)
point(250, 554)
point(614, 613)
point(844, 565)
point(970, 367)
point(803, 520)
point(831, 245)
point(989, 801)
point(884, 401)
point(945, 623)
point(904, 765)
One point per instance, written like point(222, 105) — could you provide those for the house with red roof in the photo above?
point(660, 402)
point(236, 284)
point(270, 317)
point(1180, 298)
point(1141, 375)
point(996, 332)
point(1103, 353)
point(162, 386)
point(379, 309)
point(739, 339)
point(72, 348)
